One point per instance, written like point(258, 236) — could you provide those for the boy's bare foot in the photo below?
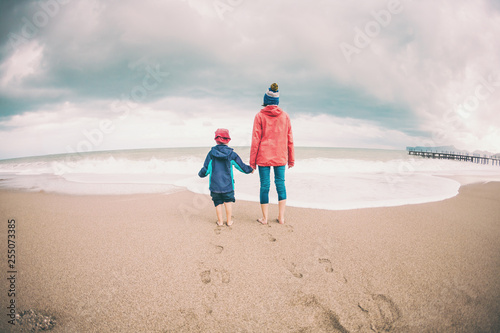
point(262, 221)
point(230, 223)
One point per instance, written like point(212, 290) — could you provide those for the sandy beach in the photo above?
point(159, 263)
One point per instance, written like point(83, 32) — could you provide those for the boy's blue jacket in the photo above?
point(219, 165)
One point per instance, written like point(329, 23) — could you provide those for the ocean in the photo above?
point(326, 178)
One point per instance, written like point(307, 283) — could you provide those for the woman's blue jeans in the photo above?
point(265, 182)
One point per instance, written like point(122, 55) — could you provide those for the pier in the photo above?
point(455, 156)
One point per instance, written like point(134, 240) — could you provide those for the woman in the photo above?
point(272, 146)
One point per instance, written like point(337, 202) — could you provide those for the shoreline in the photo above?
point(460, 180)
point(332, 179)
point(159, 263)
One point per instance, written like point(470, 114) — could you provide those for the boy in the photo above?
point(219, 164)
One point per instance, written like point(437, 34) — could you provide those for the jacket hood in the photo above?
point(221, 152)
point(272, 110)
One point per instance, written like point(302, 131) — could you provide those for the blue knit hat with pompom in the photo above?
point(272, 95)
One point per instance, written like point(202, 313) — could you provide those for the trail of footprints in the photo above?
point(208, 275)
point(290, 266)
point(382, 313)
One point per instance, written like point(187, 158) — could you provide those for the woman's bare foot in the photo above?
point(280, 221)
point(220, 223)
point(262, 221)
point(230, 223)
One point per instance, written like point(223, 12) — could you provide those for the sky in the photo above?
point(90, 75)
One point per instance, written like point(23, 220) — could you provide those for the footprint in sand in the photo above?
point(222, 275)
point(225, 276)
point(327, 263)
point(219, 249)
point(205, 277)
point(270, 237)
point(292, 268)
point(188, 321)
point(382, 312)
point(323, 318)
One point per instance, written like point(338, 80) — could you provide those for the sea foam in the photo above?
point(322, 178)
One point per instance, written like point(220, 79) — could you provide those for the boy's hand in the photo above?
point(253, 170)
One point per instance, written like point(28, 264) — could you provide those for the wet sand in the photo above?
point(159, 263)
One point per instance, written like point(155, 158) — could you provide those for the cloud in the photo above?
point(156, 125)
point(24, 62)
point(414, 72)
point(330, 131)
